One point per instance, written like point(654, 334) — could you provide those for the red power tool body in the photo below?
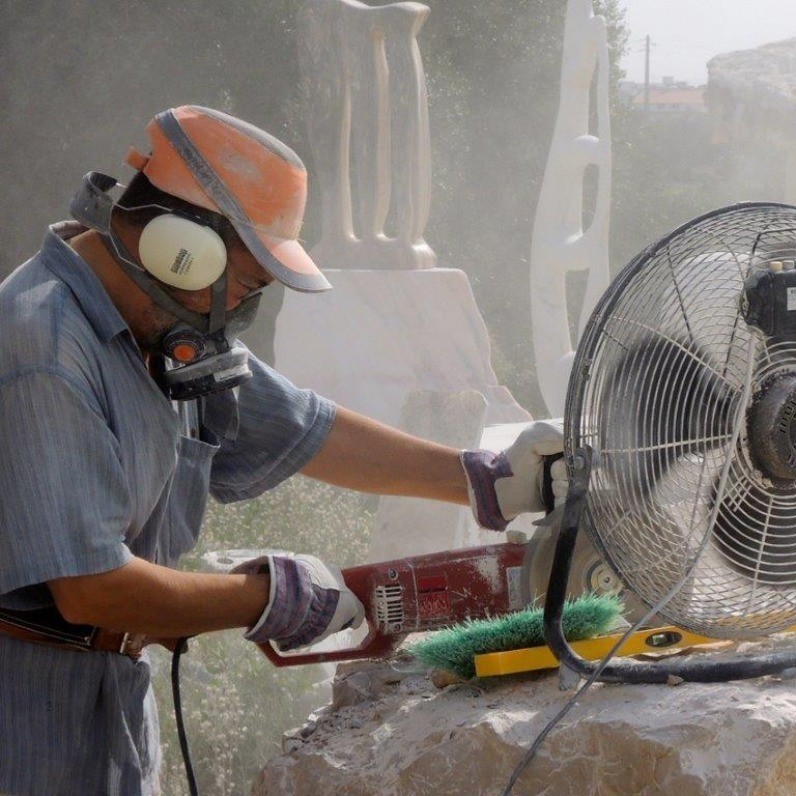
point(427, 592)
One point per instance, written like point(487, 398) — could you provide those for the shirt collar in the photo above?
point(72, 269)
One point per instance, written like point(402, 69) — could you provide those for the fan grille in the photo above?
point(661, 387)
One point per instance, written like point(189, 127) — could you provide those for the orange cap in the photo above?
point(226, 165)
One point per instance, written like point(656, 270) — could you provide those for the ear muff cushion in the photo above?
point(181, 252)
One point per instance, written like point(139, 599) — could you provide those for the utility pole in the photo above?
point(647, 74)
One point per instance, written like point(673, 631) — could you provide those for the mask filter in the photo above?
point(215, 373)
point(205, 364)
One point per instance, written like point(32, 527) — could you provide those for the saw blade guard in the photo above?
point(589, 573)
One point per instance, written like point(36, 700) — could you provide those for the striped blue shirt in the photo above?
point(94, 471)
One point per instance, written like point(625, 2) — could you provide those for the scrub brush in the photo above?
point(455, 649)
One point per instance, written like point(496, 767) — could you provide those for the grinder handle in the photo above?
point(548, 498)
point(375, 644)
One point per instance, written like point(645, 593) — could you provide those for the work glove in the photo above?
point(308, 601)
point(503, 485)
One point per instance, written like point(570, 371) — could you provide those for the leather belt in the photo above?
point(47, 626)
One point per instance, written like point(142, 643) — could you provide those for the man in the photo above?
point(124, 400)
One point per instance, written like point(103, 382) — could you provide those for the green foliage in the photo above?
point(455, 649)
point(668, 170)
point(300, 515)
point(665, 173)
point(115, 69)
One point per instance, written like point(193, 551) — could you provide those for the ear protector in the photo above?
point(174, 249)
point(181, 252)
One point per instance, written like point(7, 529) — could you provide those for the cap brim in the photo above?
point(284, 259)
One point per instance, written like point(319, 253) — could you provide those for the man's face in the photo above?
point(244, 276)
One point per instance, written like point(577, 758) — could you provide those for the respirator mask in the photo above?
point(180, 251)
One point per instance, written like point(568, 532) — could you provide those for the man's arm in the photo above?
point(359, 453)
point(294, 600)
point(141, 597)
point(363, 454)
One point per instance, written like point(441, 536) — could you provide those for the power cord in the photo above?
point(180, 647)
point(572, 701)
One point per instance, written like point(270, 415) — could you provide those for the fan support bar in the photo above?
point(702, 670)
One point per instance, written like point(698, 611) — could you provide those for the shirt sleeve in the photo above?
point(64, 501)
point(280, 428)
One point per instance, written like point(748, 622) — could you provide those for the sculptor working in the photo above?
point(125, 399)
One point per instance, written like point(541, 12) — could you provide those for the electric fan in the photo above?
point(681, 439)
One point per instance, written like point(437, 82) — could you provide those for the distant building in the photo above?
point(669, 97)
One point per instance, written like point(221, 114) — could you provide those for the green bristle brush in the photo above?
point(455, 648)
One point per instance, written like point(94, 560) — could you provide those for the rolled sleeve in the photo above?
point(64, 502)
point(280, 428)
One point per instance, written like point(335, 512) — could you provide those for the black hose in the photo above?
point(180, 647)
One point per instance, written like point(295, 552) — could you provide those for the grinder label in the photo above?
point(433, 604)
point(514, 581)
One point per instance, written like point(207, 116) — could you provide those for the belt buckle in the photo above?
point(131, 645)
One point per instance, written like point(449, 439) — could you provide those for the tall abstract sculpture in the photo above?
point(369, 130)
point(560, 242)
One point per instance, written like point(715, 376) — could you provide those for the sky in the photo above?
point(685, 34)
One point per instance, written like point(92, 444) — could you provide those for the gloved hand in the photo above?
point(504, 485)
point(308, 600)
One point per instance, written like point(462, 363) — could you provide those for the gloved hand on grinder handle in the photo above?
point(504, 485)
point(308, 601)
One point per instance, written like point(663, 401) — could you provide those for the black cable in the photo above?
point(180, 647)
point(570, 703)
point(531, 752)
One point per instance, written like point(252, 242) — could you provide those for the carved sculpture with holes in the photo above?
point(560, 242)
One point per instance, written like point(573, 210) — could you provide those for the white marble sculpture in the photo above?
point(394, 325)
point(367, 88)
point(560, 243)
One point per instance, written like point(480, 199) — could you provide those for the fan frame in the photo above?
point(579, 458)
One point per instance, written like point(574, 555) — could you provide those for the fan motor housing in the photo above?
point(771, 302)
point(772, 427)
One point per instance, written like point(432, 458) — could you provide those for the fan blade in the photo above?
point(755, 531)
point(662, 401)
